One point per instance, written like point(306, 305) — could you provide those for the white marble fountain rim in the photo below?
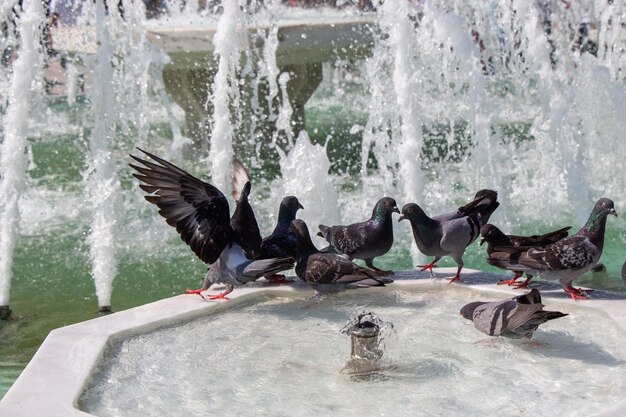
point(52, 382)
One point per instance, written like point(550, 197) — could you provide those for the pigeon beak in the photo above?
point(300, 206)
point(401, 218)
point(395, 210)
point(482, 240)
point(613, 212)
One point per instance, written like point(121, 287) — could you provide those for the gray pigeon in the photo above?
point(496, 239)
point(329, 272)
point(566, 259)
point(365, 240)
point(200, 214)
point(514, 318)
point(233, 268)
point(447, 237)
point(281, 243)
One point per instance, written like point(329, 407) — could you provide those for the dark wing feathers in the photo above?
point(348, 239)
point(198, 210)
point(527, 328)
point(534, 240)
point(569, 253)
point(328, 268)
point(533, 297)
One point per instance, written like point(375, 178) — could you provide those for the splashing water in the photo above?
point(13, 156)
point(276, 343)
point(102, 183)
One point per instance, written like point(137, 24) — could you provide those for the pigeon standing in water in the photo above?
point(329, 272)
point(447, 236)
point(200, 214)
point(514, 318)
point(496, 239)
point(568, 258)
point(366, 240)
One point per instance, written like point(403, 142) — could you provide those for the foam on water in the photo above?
point(279, 357)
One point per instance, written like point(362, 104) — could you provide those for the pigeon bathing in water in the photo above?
point(514, 318)
point(329, 272)
point(449, 235)
point(366, 240)
point(496, 239)
point(200, 214)
point(566, 259)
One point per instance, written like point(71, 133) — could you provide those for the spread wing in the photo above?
point(197, 210)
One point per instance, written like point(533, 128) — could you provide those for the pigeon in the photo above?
point(495, 239)
point(514, 318)
point(329, 272)
point(624, 272)
point(282, 242)
point(200, 213)
point(448, 236)
point(566, 259)
point(234, 268)
point(366, 240)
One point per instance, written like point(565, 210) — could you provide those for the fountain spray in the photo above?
point(27, 70)
point(102, 184)
point(228, 42)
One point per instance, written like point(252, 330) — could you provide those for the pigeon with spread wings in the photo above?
point(201, 215)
